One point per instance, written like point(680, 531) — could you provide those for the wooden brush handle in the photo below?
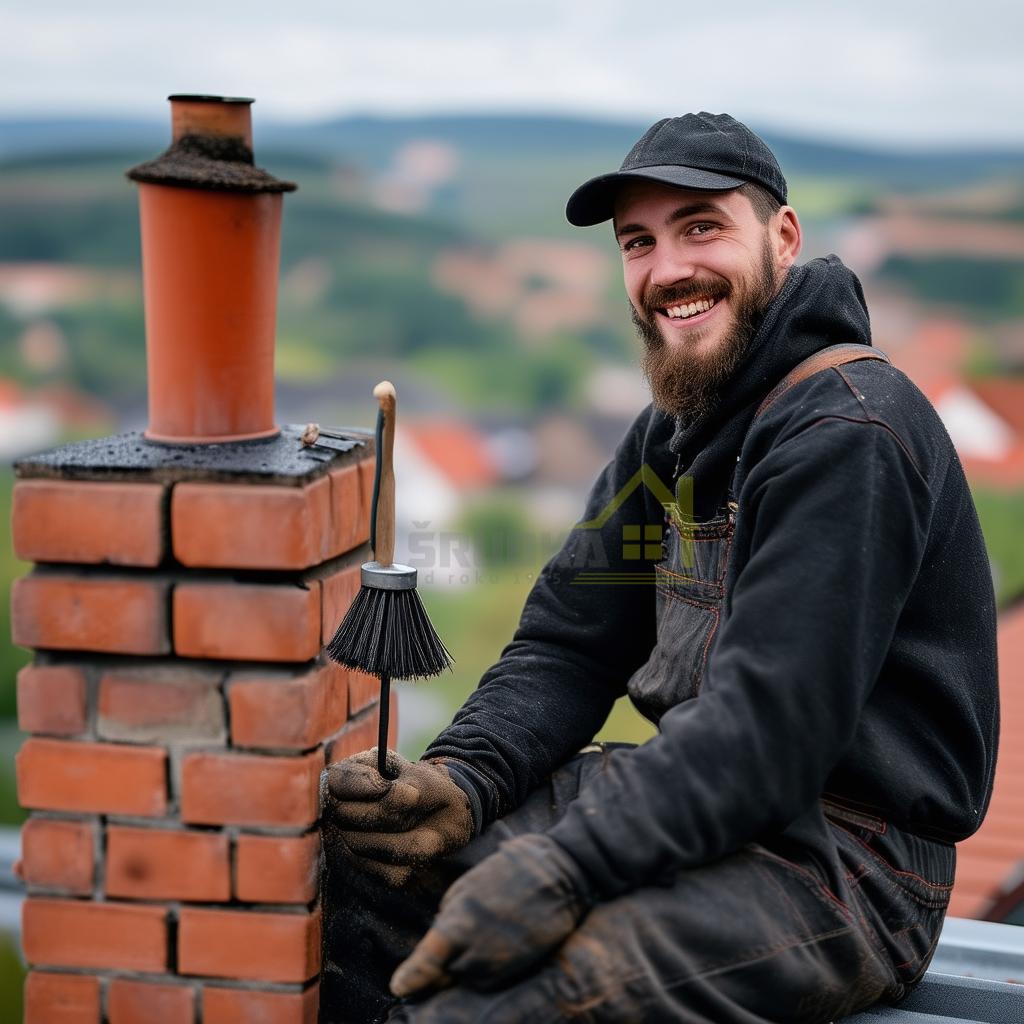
point(384, 553)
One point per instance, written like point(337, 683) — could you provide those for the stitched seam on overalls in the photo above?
point(685, 579)
point(673, 981)
point(896, 871)
point(716, 523)
point(871, 810)
point(813, 940)
point(817, 882)
point(850, 815)
point(707, 647)
point(704, 606)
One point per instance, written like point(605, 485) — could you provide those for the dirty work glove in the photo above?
point(500, 918)
point(394, 825)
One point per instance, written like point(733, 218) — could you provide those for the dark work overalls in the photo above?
point(777, 931)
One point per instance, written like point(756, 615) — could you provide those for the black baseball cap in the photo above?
point(708, 152)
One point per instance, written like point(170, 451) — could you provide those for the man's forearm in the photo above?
point(532, 712)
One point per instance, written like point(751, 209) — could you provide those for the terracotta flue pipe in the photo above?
point(211, 237)
point(211, 115)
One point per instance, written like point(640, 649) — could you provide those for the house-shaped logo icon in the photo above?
point(643, 541)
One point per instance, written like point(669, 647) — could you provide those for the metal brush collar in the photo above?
point(387, 577)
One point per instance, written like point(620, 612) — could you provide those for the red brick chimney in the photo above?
point(180, 708)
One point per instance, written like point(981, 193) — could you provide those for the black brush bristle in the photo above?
point(386, 633)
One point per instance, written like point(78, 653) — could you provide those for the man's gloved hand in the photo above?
point(394, 825)
point(499, 918)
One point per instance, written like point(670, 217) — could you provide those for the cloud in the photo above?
point(901, 72)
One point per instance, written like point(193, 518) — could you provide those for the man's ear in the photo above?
point(788, 237)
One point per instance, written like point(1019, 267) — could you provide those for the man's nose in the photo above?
point(671, 265)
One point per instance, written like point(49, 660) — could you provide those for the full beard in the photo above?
point(683, 383)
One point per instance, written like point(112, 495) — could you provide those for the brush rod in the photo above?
point(384, 551)
point(383, 720)
point(376, 481)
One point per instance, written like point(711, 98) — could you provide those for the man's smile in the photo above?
point(689, 309)
point(686, 312)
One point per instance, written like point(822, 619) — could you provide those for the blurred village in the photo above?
point(434, 252)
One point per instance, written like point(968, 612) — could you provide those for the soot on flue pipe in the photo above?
point(211, 241)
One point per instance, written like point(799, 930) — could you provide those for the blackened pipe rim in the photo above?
point(188, 97)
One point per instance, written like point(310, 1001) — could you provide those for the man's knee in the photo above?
point(535, 1000)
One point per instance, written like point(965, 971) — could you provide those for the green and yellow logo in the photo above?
point(643, 542)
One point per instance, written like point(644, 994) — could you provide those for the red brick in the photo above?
point(247, 621)
point(350, 521)
point(359, 734)
point(246, 1006)
point(76, 933)
point(247, 945)
point(276, 869)
point(77, 521)
point(155, 864)
point(51, 698)
point(290, 712)
point(160, 705)
point(339, 591)
point(116, 615)
point(59, 854)
point(141, 1002)
point(61, 999)
point(363, 690)
point(250, 526)
point(98, 778)
point(249, 789)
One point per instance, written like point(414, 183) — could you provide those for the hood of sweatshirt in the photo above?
point(820, 304)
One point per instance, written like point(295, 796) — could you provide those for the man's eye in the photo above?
point(701, 229)
point(637, 243)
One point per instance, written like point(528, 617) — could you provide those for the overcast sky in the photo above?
point(897, 72)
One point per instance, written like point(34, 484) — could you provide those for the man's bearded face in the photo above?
point(700, 269)
point(686, 379)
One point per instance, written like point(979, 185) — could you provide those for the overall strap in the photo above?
point(824, 359)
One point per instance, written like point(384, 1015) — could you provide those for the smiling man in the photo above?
point(816, 644)
point(696, 305)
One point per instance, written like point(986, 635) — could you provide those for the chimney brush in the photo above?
point(386, 632)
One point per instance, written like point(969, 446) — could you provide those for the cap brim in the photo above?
point(594, 201)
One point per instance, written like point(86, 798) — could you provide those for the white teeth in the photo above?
point(683, 312)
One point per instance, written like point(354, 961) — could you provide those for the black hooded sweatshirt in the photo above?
point(856, 654)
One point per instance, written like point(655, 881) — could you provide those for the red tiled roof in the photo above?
point(457, 450)
point(1004, 396)
point(933, 356)
point(988, 858)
